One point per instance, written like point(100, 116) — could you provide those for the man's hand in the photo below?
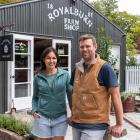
point(117, 131)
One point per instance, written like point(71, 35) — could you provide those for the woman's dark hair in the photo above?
point(45, 53)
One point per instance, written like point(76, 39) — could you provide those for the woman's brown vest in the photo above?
point(90, 101)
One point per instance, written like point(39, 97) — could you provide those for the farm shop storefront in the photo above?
point(35, 25)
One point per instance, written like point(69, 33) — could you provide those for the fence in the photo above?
point(132, 80)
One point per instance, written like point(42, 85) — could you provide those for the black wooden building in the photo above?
point(34, 25)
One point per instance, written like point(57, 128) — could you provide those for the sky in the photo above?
point(130, 6)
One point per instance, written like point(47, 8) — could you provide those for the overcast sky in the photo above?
point(131, 6)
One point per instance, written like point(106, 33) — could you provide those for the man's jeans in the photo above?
point(79, 134)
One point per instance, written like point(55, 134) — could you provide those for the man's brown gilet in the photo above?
point(90, 101)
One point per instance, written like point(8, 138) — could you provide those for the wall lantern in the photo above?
point(73, 1)
point(61, 50)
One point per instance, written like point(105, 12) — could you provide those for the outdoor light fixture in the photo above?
point(73, 1)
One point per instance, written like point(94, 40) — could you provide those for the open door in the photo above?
point(22, 72)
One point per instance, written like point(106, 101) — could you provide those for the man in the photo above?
point(94, 82)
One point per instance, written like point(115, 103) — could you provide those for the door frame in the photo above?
point(22, 102)
point(54, 41)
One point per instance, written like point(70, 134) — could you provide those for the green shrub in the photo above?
point(127, 95)
point(9, 122)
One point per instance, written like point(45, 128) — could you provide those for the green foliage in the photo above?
point(136, 29)
point(113, 60)
point(104, 47)
point(17, 126)
point(124, 20)
point(127, 95)
point(130, 44)
point(127, 22)
point(131, 61)
point(106, 7)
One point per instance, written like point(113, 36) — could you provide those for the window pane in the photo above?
point(62, 48)
point(21, 46)
point(22, 90)
point(21, 76)
point(21, 61)
point(63, 61)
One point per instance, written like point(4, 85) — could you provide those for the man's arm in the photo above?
point(116, 100)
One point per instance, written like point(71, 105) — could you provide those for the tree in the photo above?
point(127, 22)
point(106, 7)
point(131, 25)
point(104, 47)
point(124, 20)
point(136, 30)
point(109, 8)
point(130, 42)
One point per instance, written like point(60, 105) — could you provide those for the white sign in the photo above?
point(70, 23)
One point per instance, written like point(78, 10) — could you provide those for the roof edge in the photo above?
point(17, 3)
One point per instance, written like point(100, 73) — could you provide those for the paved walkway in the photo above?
point(133, 132)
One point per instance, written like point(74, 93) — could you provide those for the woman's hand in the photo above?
point(69, 120)
point(36, 115)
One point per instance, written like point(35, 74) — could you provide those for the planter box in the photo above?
point(128, 105)
point(8, 135)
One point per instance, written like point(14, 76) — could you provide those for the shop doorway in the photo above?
point(22, 72)
point(27, 51)
point(63, 48)
point(39, 45)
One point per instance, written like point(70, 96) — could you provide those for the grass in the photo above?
point(9, 122)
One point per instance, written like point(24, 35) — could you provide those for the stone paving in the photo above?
point(134, 115)
point(133, 133)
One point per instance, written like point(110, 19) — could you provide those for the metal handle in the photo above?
point(12, 76)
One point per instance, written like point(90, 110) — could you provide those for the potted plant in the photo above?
point(128, 101)
point(137, 101)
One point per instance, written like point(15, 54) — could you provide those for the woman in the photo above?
point(51, 85)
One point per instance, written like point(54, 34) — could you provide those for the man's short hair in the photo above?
point(88, 36)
